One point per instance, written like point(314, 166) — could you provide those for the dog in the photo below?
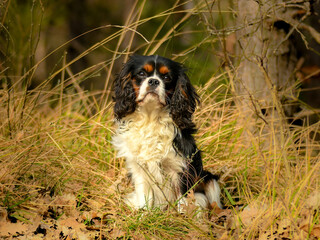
point(154, 101)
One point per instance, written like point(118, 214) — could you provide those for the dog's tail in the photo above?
point(208, 191)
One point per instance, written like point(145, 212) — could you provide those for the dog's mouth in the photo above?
point(150, 97)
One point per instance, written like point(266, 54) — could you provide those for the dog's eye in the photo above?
point(166, 78)
point(141, 73)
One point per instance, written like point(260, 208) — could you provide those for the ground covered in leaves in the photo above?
point(69, 217)
point(60, 178)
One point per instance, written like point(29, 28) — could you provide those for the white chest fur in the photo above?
point(145, 139)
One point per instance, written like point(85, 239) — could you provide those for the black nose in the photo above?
point(153, 82)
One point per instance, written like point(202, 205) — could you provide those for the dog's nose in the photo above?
point(153, 82)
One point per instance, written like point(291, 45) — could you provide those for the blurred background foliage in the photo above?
point(44, 36)
point(45, 43)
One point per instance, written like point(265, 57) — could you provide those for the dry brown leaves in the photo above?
point(264, 222)
point(60, 219)
point(312, 207)
point(53, 219)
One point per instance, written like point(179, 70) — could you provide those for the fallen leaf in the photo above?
point(313, 201)
point(315, 231)
point(110, 173)
point(71, 223)
point(215, 208)
point(284, 228)
point(9, 229)
point(117, 233)
point(225, 236)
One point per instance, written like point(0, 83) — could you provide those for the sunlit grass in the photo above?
point(55, 149)
point(52, 150)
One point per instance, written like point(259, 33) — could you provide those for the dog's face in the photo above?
point(145, 79)
point(154, 79)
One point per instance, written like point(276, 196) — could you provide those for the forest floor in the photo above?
point(60, 179)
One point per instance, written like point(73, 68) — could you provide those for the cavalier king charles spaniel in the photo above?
point(154, 103)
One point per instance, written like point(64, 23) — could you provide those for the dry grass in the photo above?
point(57, 163)
point(58, 170)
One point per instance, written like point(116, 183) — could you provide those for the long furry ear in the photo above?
point(124, 97)
point(183, 103)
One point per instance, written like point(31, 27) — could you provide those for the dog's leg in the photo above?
point(212, 189)
point(140, 192)
point(201, 200)
point(131, 200)
point(137, 198)
point(181, 202)
point(141, 197)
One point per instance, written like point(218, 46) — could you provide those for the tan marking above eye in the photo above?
point(163, 69)
point(148, 68)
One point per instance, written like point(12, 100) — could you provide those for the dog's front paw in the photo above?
point(133, 200)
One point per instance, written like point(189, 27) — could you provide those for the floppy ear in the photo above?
point(183, 103)
point(124, 93)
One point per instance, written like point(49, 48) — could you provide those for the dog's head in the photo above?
point(145, 79)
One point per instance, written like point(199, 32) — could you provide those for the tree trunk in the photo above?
point(265, 79)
